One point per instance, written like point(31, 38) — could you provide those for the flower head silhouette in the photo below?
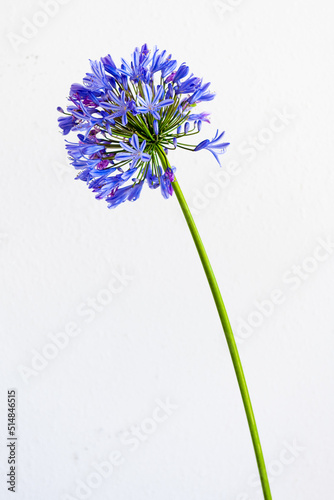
point(125, 116)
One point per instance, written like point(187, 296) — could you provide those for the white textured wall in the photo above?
point(262, 220)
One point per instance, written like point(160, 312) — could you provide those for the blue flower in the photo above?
point(111, 68)
point(188, 86)
point(84, 148)
point(137, 69)
point(162, 63)
point(181, 73)
point(214, 146)
point(166, 182)
point(67, 123)
point(152, 179)
point(204, 117)
point(127, 116)
point(152, 104)
point(134, 153)
point(81, 93)
point(106, 184)
point(98, 79)
point(201, 95)
point(119, 195)
point(120, 107)
point(162, 179)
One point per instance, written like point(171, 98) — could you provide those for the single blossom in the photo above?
point(120, 106)
point(204, 117)
point(134, 153)
point(152, 104)
point(214, 146)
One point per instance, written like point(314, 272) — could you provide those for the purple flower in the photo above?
point(201, 116)
point(137, 69)
point(162, 63)
point(134, 153)
point(98, 79)
point(120, 107)
point(66, 123)
point(188, 86)
point(83, 148)
point(152, 104)
point(215, 147)
point(162, 179)
point(201, 95)
point(151, 178)
point(119, 195)
point(166, 182)
point(111, 68)
point(126, 116)
point(181, 73)
point(105, 184)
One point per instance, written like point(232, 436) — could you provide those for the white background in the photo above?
point(160, 336)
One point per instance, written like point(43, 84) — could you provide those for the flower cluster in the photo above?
point(128, 117)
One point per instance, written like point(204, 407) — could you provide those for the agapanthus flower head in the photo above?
point(128, 117)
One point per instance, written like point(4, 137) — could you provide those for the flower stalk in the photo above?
point(227, 330)
point(127, 123)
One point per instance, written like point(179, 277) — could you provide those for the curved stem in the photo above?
point(227, 330)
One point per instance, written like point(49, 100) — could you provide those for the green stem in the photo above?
point(227, 330)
